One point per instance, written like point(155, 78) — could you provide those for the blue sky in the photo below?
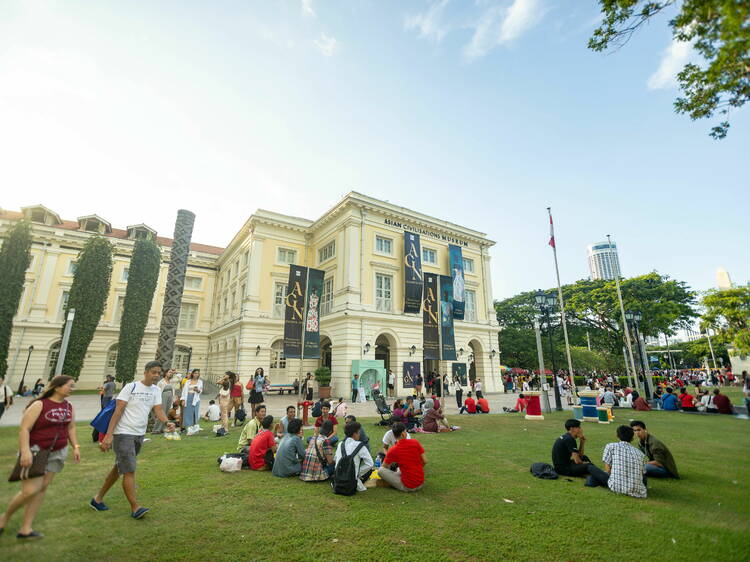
point(482, 113)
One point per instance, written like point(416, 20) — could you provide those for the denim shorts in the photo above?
point(126, 448)
point(56, 459)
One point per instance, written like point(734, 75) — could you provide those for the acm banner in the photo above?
point(430, 336)
point(457, 276)
point(412, 274)
point(294, 313)
point(411, 370)
point(448, 344)
point(312, 313)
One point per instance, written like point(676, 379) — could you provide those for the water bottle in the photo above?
point(377, 461)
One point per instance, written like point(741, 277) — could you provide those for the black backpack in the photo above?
point(345, 476)
point(317, 410)
point(240, 415)
point(543, 470)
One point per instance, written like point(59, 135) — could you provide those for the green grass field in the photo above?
point(200, 513)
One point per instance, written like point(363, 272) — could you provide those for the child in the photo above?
point(340, 410)
point(213, 413)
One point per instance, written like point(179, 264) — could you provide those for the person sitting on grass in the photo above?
point(521, 404)
point(409, 455)
point(262, 447)
point(252, 428)
point(398, 411)
point(669, 400)
point(567, 456)
point(469, 405)
point(624, 466)
point(327, 415)
point(687, 401)
point(722, 402)
point(291, 452)
point(389, 439)
point(213, 413)
point(340, 410)
point(660, 461)
point(483, 407)
point(318, 464)
point(282, 425)
point(362, 435)
point(639, 403)
point(363, 463)
point(411, 413)
point(434, 421)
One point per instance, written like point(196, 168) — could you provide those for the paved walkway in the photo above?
point(86, 406)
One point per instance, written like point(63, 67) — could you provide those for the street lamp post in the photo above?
point(190, 356)
point(23, 377)
point(635, 318)
point(546, 304)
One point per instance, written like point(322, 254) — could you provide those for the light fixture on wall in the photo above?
point(460, 352)
point(367, 347)
point(413, 350)
point(492, 354)
point(257, 350)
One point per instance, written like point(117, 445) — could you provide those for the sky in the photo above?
point(480, 113)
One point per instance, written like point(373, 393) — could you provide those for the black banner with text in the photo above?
point(430, 336)
point(412, 274)
point(294, 313)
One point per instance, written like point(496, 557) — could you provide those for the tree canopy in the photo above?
point(718, 31)
point(729, 311)
point(15, 257)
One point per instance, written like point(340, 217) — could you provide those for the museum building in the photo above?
point(232, 315)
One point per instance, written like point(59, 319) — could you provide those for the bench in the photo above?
point(281, 388)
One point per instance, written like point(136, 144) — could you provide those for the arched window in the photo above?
point(278, 361)
point(111, 364)
point(52, 356)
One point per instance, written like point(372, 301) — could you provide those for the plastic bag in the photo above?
point(193, 429)
point(230, 464)
point(172, 436)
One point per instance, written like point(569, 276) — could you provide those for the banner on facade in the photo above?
point(447, 339)
point(457, 276)
point(413, 282)
point(411, 370)
point(430, 315)
point(312, 313)
point(294, 313)
point(459, 371)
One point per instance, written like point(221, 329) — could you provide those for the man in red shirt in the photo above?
point(722, 402)
point(409, 454)
point(687, 401)
point(469, 405)
point(327, 415)
point(262, 447)
point(483, 407)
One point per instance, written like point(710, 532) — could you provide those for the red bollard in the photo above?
point(305, 406)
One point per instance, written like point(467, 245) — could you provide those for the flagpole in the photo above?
point(562, 303)
point(626, 328)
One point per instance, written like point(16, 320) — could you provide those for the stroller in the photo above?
point(386, 416)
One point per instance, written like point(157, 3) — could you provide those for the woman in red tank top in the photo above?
point(47, 423)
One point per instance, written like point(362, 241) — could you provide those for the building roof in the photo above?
point(118, 233)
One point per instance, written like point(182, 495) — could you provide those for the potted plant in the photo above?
point(323, 377)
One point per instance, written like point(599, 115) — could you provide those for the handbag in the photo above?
point(38, 465)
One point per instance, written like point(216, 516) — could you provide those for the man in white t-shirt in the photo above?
point(363, 463)
point(389, 440)
point(125, 435)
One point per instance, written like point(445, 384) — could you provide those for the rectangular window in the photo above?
point(72, 266)
point(285, 255)
point(125, 273)
point(63, 304)
point(193, 283)
point(234, 301)
point(188, 316)
point(120, 306)
point(429, 256)
point(226, 306)
point(383, 292)
point(244, 258)
point(383, 245)
point(279, 294)
point(470, 312)
point(326, 301)
point(468, 265)
point(327, 251)
point(236, 268)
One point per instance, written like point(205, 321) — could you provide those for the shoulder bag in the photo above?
point(38, 465)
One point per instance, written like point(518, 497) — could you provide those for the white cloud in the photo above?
point(307, 8)
point(673, 59)
point(326, 45)
point(499, 25)
point(429, 24)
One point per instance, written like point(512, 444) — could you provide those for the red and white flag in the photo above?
point(551, 229)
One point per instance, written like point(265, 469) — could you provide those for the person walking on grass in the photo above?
point(48, 423)
point(190, 399)
point(125, 435)
point(167, 397)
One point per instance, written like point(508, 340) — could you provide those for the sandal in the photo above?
point(31, 535)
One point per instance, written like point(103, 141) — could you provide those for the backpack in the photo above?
point(543, 470)
point(102, 419)
point(317, 410)
point(345, 478)
point(240, 415)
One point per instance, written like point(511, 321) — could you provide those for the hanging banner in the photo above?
point(412, 274)
point(457, 276)
point(312, 313)
point(294, 313)
point(411, 370)
point(448, 345)
point(459, 371)
point(430, 337)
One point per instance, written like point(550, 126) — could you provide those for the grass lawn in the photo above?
point(200, 513)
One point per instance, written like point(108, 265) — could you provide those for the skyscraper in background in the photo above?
point(723, 280)
point(603, 261)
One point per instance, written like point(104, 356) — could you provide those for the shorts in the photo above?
point(56, 459)
point(390, 386)
point(126, 448)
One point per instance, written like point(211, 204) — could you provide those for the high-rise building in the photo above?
point(723, 280)
point(603, 260)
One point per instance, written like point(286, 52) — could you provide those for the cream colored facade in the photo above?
point(240, 325)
